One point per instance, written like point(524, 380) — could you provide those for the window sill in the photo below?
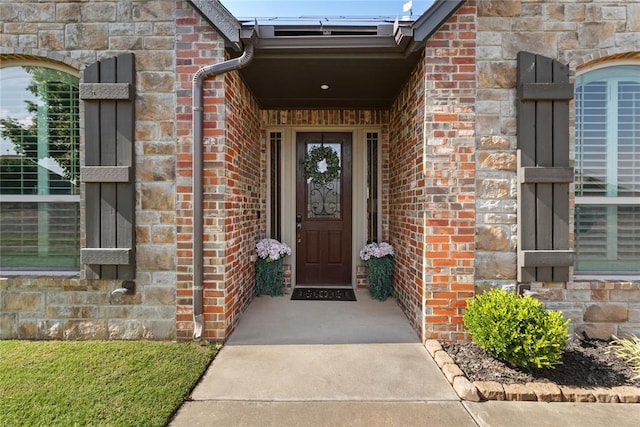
point(607, 277)
point(71, 274)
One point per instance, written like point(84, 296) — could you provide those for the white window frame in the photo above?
point(34, 198)
point(611, 199)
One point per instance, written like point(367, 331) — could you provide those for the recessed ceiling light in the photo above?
point(324, 86)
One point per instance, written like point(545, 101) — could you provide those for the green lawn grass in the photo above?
point(106, 383)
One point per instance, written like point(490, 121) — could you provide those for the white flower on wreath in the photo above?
point(322, 166)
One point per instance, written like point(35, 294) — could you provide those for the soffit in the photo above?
point(364, 62)
point(364, 66)
point(358, 76)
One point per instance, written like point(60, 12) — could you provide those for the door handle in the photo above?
point(299, 228)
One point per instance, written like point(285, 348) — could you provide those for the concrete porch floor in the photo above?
point(278, 320)
point(287, 350)
point(292, 363)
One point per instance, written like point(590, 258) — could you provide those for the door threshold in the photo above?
point(324, 286)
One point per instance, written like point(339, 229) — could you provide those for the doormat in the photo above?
point(323, 294)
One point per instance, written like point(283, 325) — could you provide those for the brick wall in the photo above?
point(577, 34)
point(245, 201)
point(77, 34)
point(296, 117)
point(407, 193)
point(198, 45)
point(234, 183)
point(431, 181)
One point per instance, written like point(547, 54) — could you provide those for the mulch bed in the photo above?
point(586, 363)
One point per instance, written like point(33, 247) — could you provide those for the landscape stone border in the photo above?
point(477, 391)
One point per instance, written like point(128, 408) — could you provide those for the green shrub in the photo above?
point(628, 349)
point(516, 329)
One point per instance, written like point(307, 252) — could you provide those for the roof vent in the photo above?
point(325, 31)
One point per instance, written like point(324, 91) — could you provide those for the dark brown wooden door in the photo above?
point(323, 213)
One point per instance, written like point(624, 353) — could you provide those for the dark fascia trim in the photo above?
point(331, 43)
point(330, 54)
point(388, 38)
point(432, 18)
point(221, 19)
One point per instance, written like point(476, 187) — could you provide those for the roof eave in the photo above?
point(429, 22)
point(222, 20)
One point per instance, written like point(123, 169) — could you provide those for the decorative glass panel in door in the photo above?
point(323, 195)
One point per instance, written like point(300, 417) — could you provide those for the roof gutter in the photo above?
point(197, 168)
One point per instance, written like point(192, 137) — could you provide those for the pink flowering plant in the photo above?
point(272, 250)
point(269, 268)
point(376, 250)
point(378, 258)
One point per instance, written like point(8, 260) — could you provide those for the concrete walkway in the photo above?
point(317, 363)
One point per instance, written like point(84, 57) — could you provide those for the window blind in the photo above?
point(607, 222)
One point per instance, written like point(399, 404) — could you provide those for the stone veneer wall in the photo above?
point(575, 33)
point(78, 34)
point(598, 308)
point(432, 166)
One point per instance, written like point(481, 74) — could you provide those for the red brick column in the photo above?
point(197, 45)
point(432, 181)
point(450, 75)
point(234, 180)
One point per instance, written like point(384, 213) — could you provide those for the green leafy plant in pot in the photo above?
point(378, 258)
point(269, 268)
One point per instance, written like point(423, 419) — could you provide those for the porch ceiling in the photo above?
point(355, 80)
point(362, 62)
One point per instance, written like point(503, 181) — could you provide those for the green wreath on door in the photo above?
point(321, 165)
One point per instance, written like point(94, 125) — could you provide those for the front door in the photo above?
point(323, 209)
